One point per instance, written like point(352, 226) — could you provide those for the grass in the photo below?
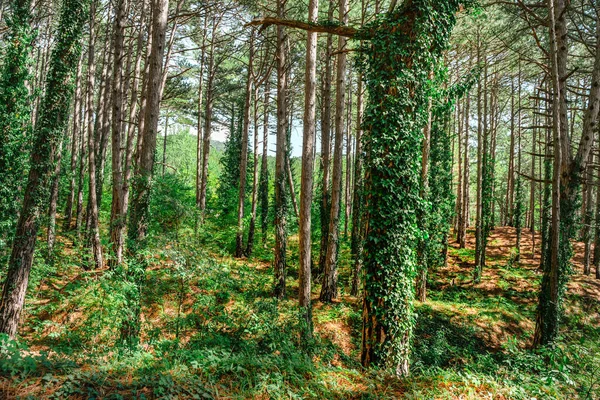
point(212, 330)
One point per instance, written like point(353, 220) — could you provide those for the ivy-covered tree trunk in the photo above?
point(567, 174)
point(403, 49)
point(48, 133)
point(15, 114)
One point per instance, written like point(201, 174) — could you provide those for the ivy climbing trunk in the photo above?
point(404, 47)
point(15, 116)
point(49, 130)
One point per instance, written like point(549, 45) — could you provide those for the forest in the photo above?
point(294, 199)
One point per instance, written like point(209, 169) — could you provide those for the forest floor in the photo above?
point(211, 329)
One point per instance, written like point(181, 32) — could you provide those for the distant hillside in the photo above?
point(219, 146)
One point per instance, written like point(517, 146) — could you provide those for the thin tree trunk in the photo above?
point(255, 172)
point(142, 184)
point(466, 176)
point(165, 132)
point(306, 185)
point(93, 233)
point(329, 288)
point(264, 167)
point(131, 133)
point(117, 216)
point(200, 104)
point(326, 144)
point(239, 247)
point(280, 156)
point(208, 110)
point(51, 234)
point(356, 244)
point(82, 149)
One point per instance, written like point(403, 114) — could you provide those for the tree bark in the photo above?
point(264, 167)
point(326, 145)
point(142, 183)
point(117, 216)
point(239, 247)
point(94, 233)
point(306, 186)
point(48, 133)
point(280, 156)
point(330, 277)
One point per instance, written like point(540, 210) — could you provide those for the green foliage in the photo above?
point(172, 204)
point(403, 49)
point(15, 113)
point(229, 179)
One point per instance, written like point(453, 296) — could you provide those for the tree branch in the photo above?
point(345, 31)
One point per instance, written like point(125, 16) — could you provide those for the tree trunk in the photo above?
point(280, 156)
point(239, 241)
point(356, 243)
point(142, 183)
point(326, 145)
point(208, 110)
point(264, 167)
point(255, 172)
point(330, 277)
point(48, 133)
point(200, 104)
point(306, 185)
point(117, 216)
point(51, 234)
point(93, 233)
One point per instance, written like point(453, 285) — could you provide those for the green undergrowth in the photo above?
point(212, 330)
